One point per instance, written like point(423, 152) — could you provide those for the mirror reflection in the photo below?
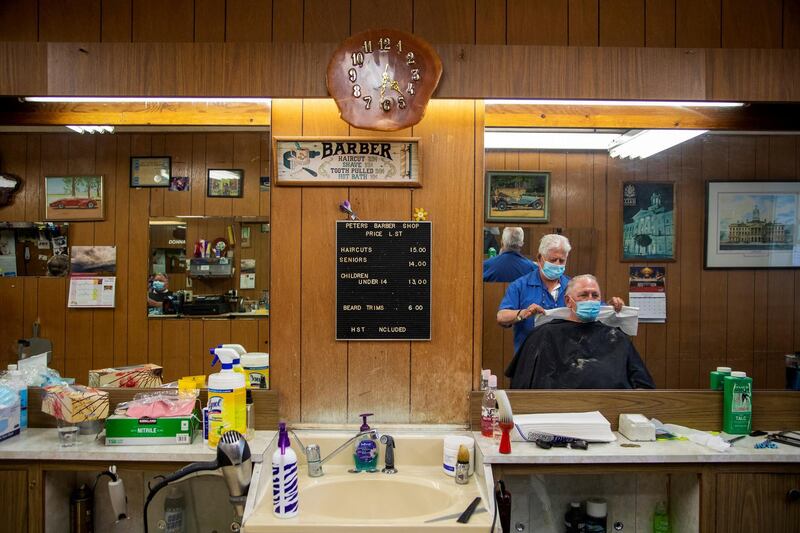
point(208, 266)
point(34, 249)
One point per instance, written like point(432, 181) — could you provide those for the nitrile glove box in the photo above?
point(127, 431)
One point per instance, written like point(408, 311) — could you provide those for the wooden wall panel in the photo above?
point(374, 14)
point(622, 23)
point(211, 19)
point(287, 21)
point(752, 24)
point(116, 21)
point(490, 22)
point(11, 327)
point(445, 21)
point(660, 23)
point(698, 23)
point(69, 20)
point(248, 20)
point(791, 24)
point(19, 20)
point(544, 22)
point(583, 23)
point(326, 21)
point(157, 22)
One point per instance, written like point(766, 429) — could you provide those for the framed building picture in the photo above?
point(752, 224)
point(517, 196)
point(147, 171)
point(225, 183)
point(648, 221)
point(73, 198)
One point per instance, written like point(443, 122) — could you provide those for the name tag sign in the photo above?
point(383, 280)
point(350, 161)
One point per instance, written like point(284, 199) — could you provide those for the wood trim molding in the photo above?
point(772, 409)
point(470, 71)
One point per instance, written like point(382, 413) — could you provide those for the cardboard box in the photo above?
point(9, 420)
point(124, 430)
point(136, 376)
point(75, 403)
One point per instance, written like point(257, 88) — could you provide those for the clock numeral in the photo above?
point(399, 47)
point(367, 47)
point(385, 43)
point(357, 91)
point(410, 58)
point(414, 74)
point(386, 105)
point(410, 90)
point(368, 100)
point(358, 59)
point(401, 102)
point(352, 75)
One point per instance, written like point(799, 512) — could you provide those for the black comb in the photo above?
point(467, 514)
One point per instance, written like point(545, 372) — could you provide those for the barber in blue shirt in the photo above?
point(542, 289)
point(510, 264)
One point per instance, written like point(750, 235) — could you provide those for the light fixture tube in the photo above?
point(147, 100)
point(645, 143)
point(92, 129)
point(529, 140)
point(628, 103)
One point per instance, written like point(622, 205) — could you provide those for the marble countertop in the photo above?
point(41, 444)
point(664, 451)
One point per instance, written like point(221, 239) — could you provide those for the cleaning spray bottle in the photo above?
point(226, 398)
point(285, 496)
point(237, 359)
point(365, 449)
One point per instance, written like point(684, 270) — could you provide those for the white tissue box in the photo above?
point(636, 427)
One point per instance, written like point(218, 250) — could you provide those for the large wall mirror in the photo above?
point(34, 249)
point(208, 266)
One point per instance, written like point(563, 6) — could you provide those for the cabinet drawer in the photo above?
point(757, 502)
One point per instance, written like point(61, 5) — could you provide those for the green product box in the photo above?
point(124, 430)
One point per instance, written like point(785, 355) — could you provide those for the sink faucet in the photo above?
point(388, 467)
point(312, 452)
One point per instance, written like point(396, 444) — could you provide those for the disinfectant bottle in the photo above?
point(15, 380)
point(737, 404)
point(237, 359)
point(285, 495)
point(226, 399)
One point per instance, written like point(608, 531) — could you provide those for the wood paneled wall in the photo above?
point(746, 319)
point(652, 23)
point(322, 380)
point(83, 338)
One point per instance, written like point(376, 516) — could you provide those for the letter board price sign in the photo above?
point(350, 161)
point(383, 280)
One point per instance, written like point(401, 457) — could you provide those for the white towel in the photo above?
point(627, 319)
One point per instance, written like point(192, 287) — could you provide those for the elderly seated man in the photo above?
point(580, 352)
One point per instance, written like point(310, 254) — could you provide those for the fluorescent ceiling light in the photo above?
point(146, 100)
point(630, 103)
point(92, 129)
point(530, 140)
point(642, 144)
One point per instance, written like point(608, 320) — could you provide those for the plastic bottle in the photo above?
point(596, 516)
point(485, 373)
point(737, 404)
point(174, 505)
point(489, 408)
point(226, 399)
point(237, 360)
point(661, 519)
point(492, 252)
point(233, 352)
point(256, 368)
point(251, 415)
point(574, 519)
point(15, 380)
point(716, 377)
point(365, 449)
point(285, 496)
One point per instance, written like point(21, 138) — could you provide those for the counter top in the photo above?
point(252, 314)
point(41, 444)
point(662, 451)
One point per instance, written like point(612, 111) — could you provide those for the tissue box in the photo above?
point(9, 413)
point(136, 376)
point(75, 403)
point(636, 427)
point(125, 430)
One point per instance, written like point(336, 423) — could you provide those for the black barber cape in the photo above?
point(578, 355)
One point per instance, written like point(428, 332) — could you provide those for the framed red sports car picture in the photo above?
point(73, 198)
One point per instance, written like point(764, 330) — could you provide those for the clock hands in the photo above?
point(386, 80)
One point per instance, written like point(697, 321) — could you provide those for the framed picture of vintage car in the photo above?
point(516, 196)
point(74, 198)
point(752, 224)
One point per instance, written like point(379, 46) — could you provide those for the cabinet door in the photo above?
point(757, 502)
point(14, 500)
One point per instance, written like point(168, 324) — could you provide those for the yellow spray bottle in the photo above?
point(226, 398)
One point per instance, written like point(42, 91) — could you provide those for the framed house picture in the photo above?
point(74, 198)
point(225, 183)
point(752, 224)
point(648, 221)
point(151, 171)
point(517, 196)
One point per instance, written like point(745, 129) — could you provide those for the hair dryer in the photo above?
point(233, 460)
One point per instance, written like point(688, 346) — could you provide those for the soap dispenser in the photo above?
point(365, 449)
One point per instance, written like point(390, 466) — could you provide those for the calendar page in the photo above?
point(647, 291)
point(92, 291)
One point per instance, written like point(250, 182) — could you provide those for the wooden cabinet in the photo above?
point(758, 502)
point(14, 504)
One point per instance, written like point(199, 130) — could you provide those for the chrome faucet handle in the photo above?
point(314, 461)
point(388, 467)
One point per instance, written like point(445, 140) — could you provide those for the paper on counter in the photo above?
point(627, 319)
point(590, 426)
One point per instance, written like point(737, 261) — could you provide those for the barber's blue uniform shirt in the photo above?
point(529, 290)
point(508, 266)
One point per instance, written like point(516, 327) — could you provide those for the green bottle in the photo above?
point(661, 519)
point(718, 375)
point(737, 404)
point(492, 252)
